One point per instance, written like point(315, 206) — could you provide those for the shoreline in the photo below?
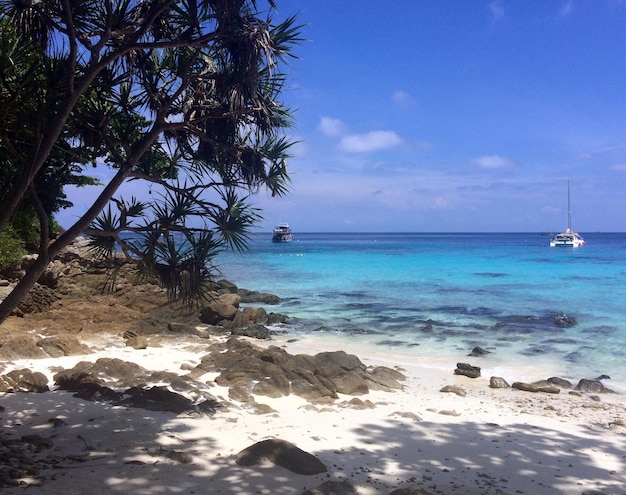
point(490, 441)
point(441, 434)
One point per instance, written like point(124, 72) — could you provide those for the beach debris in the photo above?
point(479, 351)
point(332, 488)
point(454, 389)
point(498, 382)
point(281, 453)
point(468, 370)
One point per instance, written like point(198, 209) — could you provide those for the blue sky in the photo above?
point(454, 115)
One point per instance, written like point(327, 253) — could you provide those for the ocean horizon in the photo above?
point(436, 295)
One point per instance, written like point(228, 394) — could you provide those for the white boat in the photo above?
point(282, 233)
point(569, 238)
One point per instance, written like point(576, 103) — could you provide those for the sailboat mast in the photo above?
point(569, 210)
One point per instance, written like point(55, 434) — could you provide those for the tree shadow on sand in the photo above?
point(100, 449)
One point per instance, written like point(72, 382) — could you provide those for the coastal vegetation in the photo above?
point(182, 95)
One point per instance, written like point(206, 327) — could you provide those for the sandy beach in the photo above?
point(489, 441)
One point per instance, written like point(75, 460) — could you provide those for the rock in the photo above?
point(223, 307)
point(384, 378)
point(410, 491)
point(38, 299)
point(454, 390)
point(564, 321)
point(275, 318)
point(226, 286)
point(467, 370)
point(181, 328)
point(63, 345)
point(249, 296)
point(534, 387)
point(498, 382)
point(560, 382)
point(24, 380)
point(157, 399)
point(331, 487)
point(479, 351)
point(257, 331)
point(281, 453)
point(21, 347)
point(139, 342)
point(592, 386)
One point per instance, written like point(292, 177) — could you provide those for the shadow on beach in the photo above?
point(97, 449)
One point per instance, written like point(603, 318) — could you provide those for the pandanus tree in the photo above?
point(182, 95)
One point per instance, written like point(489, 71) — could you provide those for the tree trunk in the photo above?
point(46, 255)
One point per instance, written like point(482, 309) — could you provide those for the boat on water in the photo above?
point(568, 238)
point(282, 233)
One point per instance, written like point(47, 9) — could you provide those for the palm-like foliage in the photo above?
point(182, 94)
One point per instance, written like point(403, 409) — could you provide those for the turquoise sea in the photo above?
point(434, 296)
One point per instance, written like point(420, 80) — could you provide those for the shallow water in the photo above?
point(436, 296)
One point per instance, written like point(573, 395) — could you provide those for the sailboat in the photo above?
point(569, 238)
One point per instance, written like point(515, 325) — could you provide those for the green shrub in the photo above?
point(11, 247)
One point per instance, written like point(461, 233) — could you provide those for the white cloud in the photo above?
point(370, 141)
point(403, 98)
point(492, 162)
point(331, 127)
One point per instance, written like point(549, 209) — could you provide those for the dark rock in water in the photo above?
point(281, 453)
point(560, 382)
point(479, 351)
point(564, 320)
point(257, 331)
point(592, 386)
point(249, 296)
point(332, 488)
point(603, 377)
point(535, 387)
point(274, 318)
point(498, 382)
point(467, 370)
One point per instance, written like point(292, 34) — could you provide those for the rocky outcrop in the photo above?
point(273, 372)
point(102, 380)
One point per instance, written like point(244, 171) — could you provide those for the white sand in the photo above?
point(489, 442)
